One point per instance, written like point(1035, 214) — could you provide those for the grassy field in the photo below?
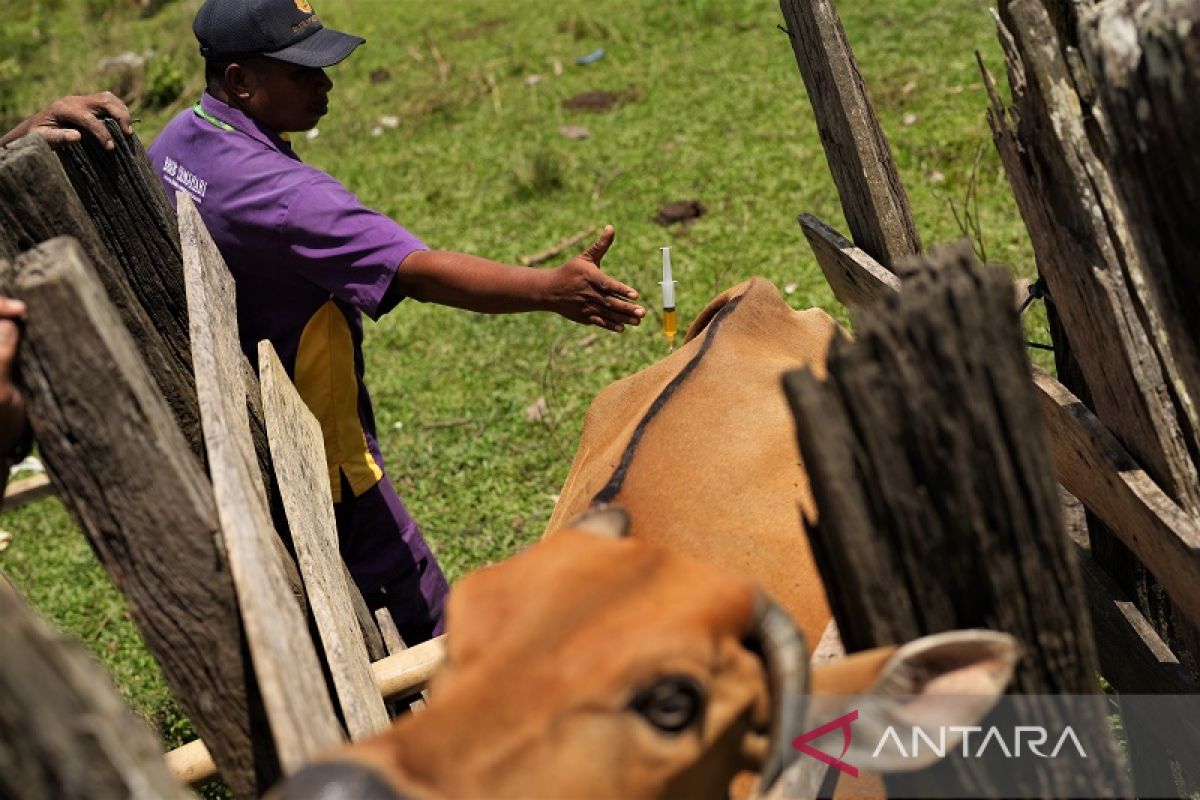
point(449, 120)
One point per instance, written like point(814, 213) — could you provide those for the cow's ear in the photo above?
point(603, 520)
point(937, 682)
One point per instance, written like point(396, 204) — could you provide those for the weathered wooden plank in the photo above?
point(108, 438)
point(1084, 253)
point(396, 676)
point(1146, 63)
point(134, 218)
point(289, 675)
point(1133, 657)
point(395, 644)
point(37, 204)
point(1056, 144)
point(857, 279)
point(65, 732)
point(1136, 661)
point(873, 198)
point(391, 634)
point(1088, 460)
point(125, 214)
point(917, 454)
point(26, 491)
point(1093, 466)
point(298, 451)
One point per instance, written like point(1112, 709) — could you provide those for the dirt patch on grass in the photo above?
point(478, 29)
point(680, 212)
point(597, 102)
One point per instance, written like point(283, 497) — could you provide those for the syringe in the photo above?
point(668, 290)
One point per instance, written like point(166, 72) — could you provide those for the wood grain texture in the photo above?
point(128, 230)
point(1058, 146)
point(873, 198)
point(298, 452)
point(857, 279)
point(1136, 661)
point(65, 732)
point(395, 644)
point(37, 203)
point(111, 443)
point(1145, 60)
point(134, 218)
point(1093, 466)
point(391, 634)
point(285, 662)
point(938, 508)
point(1081, 240)
point(1088, 460)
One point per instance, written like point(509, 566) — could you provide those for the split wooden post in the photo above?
point(873, 198)
point(1145, 60)
point(1081, 240)
point(1055, 144)
point(65, 732)
point(917, 449)
point(298, 452)
point(289, 676)
point(112, 445)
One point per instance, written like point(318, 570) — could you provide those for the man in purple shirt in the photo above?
point(309, 260)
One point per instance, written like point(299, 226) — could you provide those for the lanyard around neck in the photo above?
point(207, 117)
point(225, 126)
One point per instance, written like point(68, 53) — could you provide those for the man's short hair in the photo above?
point(214, 70)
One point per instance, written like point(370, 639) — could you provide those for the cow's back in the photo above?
point(714, 472)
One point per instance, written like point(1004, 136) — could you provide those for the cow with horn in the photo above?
point(637, 651)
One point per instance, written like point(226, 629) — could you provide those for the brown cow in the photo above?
point(700, 448)
point(598, 666)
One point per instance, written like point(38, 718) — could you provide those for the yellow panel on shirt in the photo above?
point(325, 378)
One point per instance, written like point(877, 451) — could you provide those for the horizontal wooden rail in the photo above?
point(395, 676)
point(1088, 460)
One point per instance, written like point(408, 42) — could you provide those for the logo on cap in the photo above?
point(303, 6)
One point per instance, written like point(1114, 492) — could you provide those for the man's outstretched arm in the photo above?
point(578, 290)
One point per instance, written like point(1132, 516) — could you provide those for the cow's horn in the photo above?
point(775, 635)
point(603, 520)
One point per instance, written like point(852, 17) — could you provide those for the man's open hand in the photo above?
point(583, 293)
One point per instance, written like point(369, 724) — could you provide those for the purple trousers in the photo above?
point(390, 561)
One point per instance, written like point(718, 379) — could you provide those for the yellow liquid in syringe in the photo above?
point(669, 324)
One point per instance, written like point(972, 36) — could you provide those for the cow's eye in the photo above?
point(671, 703)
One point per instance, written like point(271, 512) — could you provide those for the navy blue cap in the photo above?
point(287, 30)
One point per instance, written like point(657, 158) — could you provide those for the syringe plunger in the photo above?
point(668, 285)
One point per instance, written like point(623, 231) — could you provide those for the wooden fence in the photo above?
point(211, 577)
point(1101, 157)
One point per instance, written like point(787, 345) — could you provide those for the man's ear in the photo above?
point(936, 682)
point(240, 81)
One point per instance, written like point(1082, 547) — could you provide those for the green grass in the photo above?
point(713, 109)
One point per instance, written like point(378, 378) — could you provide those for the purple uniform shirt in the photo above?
point(309, 260)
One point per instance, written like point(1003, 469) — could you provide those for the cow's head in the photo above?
point(596, 666)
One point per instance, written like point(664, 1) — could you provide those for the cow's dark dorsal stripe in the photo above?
point(613, 487)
